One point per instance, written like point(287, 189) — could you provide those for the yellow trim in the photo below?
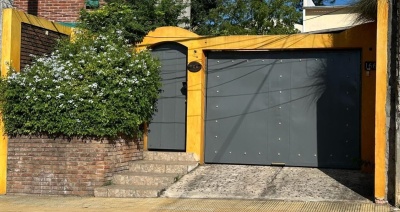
point(381, 92)
point(11, 49)
point(145, 133)
point(197, 46)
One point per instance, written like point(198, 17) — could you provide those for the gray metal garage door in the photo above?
point(294, 108)
point(167, 130)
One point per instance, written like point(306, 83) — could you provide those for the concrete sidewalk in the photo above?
point(274, 183)
point(91, 204)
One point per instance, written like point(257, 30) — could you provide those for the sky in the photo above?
point(342, 2)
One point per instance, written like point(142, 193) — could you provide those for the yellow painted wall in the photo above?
point(11, 47)
point(197, 46)
point(381, 92)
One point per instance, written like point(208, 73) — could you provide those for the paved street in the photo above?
point(91, 204)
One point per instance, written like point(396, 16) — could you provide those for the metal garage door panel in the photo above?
point(306, 88)
point(304, 110)
point(235, 109)
point(338, 115)
point(168, 128)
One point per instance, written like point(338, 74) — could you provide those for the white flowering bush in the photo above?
point(96, 86)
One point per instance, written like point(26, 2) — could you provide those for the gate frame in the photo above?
point(348, 39)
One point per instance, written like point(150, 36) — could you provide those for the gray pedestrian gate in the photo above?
point(167, 131)
point(294, 108)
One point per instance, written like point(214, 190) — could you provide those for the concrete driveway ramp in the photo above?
point(268, 182)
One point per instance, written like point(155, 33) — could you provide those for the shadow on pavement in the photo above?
point(360, 183)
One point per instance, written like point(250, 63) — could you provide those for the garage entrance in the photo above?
point(293, 108)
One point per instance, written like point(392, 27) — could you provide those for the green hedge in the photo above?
point(96, 86)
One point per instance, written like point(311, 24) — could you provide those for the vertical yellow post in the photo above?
point(3, 160)
point(195, 106)
point(381, 92)
point(10, 54)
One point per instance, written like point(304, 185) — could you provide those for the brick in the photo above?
point(56, 167)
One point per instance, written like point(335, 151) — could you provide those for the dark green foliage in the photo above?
point(238, 17)
point(323, 2)
point(200, 11)
point(96, 86)
point(135, 18)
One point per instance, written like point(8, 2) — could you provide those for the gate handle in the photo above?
point(184, 88)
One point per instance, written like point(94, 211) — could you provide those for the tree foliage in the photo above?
point(134, 17)
point(323, 2)
point(366, 9)
point(238, 17)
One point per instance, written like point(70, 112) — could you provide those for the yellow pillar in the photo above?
point(195, 106)
point(3, 160)
point(381, 92)
point(10, 54)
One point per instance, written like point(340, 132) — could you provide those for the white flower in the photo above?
point(94, 85)
point(59, 95)
point(90, 101)
point(48, 96)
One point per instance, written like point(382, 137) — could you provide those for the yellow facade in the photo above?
point(349, 39)
point(381, 92)
point(197, 46)
point(373, 91)
point(11, 48)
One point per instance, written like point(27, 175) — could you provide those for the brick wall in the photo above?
point(36, 41)
point(53, 10)
point(60, 167)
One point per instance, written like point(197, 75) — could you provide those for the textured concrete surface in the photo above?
point(91, 204)
point(147, 178)
point(273, 183)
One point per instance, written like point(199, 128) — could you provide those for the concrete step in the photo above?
point(153, 166)
point(128, 191)
point(149, 177)
point(169, 156)
point(145, 178)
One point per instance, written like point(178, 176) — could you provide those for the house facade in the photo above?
point(326, 18)
point(54, 10)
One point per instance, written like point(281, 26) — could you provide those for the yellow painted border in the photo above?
point(11, 48)
point(198, 46)
point(381, 92)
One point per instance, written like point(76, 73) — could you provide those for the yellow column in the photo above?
point(381, 92)
point(3, 160)
point(195, 106)
point(10, 54)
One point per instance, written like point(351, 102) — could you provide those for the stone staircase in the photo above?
point(150, 176)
